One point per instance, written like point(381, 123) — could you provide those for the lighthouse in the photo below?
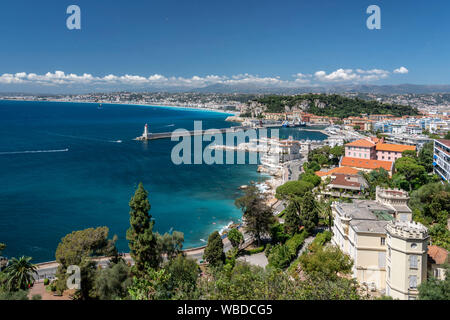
point(145, 135)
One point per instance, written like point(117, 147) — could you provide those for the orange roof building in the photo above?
point(339, 170)
point(437, 259)
point(394, 147)
point(367, 164)
point(438, 254)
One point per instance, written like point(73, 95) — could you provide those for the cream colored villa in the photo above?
point(388, 249)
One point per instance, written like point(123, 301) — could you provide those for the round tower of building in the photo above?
point(406, 258)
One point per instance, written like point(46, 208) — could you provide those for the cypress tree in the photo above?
point(141, 240)
point(309, 213)
point(292, 220)
point(214, 249)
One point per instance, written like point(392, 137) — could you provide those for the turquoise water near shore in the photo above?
point(62, 168)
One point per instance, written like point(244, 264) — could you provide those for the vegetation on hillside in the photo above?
point(332, 105)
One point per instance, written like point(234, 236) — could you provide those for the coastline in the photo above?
point(181, 107)
point(270, 180)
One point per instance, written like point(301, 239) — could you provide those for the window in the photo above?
point(383, 241)
point(412, 282)
point(436, 273)
point(389, 273)
point(413, 262)
point(413, 245)
point(382, 259)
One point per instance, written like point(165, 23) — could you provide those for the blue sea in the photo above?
point(71, 166)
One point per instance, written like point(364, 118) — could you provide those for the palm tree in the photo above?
point(325, 211)
point(19, 273)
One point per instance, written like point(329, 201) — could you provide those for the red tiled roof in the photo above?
point(438, 254)
point(339, 170)
point(444, 141)
point(361, 143)
point(342, 181)
point(366, 163)
point(394, 147)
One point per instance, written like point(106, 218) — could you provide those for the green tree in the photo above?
point(150, 285)
point(78, 248)
point(378, 177)
point(410, 153)
point(308, 212)
point(325, 212)
point(326, 262)
point(293, 188)
point(170, 244)
point(257, 215)
point(337, 152)
point(410, 175)
point(236, 238)
point(141, 240)
point(214, 250)
point(277, 233)
point(247, 282)
point(426, 156)
point(311, 178)
point(435, 289)
point(19, 274)
point(183, 274)
point(113, 282)
point(280, 256)
point(292, 220)
point(311, 166)
point(319, 287)
point(447, 135)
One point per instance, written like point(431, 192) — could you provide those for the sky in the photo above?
point(196, 43)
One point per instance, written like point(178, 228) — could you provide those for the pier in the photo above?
point(166, 135)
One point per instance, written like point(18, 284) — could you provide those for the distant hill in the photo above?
point(379, 89)
point(331, 105)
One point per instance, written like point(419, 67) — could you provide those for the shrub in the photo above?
point(277, 233)
point(256, 250)
point(46, 282)
point(296, 242)
point(280, 256)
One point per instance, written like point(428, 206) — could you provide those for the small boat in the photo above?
point(100, 106)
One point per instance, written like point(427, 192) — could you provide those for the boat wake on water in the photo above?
point(33, 151)
point(83, 138)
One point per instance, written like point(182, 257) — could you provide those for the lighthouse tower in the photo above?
point(145, 135)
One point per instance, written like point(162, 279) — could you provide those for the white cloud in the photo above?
point(401, 70)
point(350, 75)
point(60, 78)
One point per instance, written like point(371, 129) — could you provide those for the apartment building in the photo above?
point(441, 158)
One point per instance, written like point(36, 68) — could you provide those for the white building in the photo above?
point(361, 230)
point(441, 158)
